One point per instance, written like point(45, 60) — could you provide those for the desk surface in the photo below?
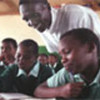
point(18, 96)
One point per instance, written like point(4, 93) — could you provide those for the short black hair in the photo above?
point(10, 41)
point(84, 36)
point(43, 54)
point(30, 44)
point(34, 1)
point(54, 55)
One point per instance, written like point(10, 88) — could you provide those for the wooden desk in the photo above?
point(18, 96)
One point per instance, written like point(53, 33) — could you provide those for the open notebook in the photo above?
point(14, 96)
point(18, 96)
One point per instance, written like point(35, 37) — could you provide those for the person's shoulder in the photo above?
point(62, 71)
point(73, 7)
point(10, 71)
point(58, 79)
point(13, 68)
point(44, 68)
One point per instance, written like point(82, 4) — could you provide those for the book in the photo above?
point(19, 96)
point(14, 96)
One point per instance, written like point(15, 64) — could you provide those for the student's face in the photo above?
point(52, 60)
point(75, 56)
point(43, 60)
point(24, 57)
point(8, 51)
point(37, 15)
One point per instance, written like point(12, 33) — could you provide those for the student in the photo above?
point(8, 51)
point(43, 59)
point(52, 23)
point(27, 73)
point(80, 51)
point(54, 63)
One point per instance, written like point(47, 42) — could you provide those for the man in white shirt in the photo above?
point(52, 23)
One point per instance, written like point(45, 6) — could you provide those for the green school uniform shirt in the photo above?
point(90, 91)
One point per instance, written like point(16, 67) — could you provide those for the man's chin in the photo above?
point(41, 29)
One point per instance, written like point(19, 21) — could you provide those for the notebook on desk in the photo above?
point(14, 96)
point(18, 96)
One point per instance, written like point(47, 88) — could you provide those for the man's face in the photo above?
point(25, 58)
point(8, 51)
point(75, 56)
point(37, 15)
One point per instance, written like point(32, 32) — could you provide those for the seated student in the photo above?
point(54, 63)
point(43, 59)
point(28, 72)
point(80, 51)
point(8, 50)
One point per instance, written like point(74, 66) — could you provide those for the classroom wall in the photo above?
point(13, 26)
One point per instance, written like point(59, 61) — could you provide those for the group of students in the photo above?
point(51, 60)
point(79, 79)
point(20, 74)
point(73, 31)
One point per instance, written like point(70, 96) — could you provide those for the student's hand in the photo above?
point(71, 90)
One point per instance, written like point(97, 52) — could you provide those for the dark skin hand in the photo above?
point(69, 90)
point(72, 90)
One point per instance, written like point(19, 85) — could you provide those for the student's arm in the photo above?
point(66, 91)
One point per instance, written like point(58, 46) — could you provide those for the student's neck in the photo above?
point(30, 68)
point(90, 74)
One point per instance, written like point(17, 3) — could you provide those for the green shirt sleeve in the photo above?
point(58, 79)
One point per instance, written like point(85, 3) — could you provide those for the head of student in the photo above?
point(36, 13)
point(26, 55)
point(43, 58)
point(79, 49)
point(8, 49)
point(52, 59)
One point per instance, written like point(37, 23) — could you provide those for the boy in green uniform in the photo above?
point(27, 73)
point(7, 54)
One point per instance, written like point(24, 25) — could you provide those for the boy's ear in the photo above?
point(91, 47)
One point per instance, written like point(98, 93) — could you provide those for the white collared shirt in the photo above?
point(52, 67)
point(66, 18)
point(34, 72)
point(97, 78)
